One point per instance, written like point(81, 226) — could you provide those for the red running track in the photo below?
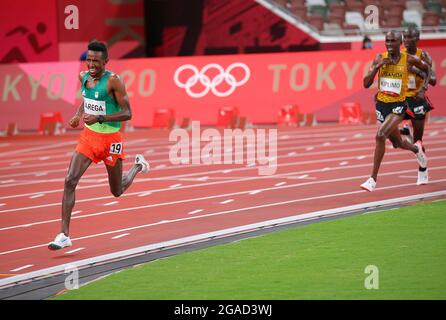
point(319, 168)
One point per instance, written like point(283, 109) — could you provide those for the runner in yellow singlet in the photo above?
point(392, 69)
point(417, 107)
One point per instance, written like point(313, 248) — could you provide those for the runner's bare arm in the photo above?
point(428, 59)
point(117, 87)
point(378, 62)
point(74, 121)
point(420, 64)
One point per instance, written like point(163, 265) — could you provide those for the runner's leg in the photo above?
point(79, 163)
point(120, 182)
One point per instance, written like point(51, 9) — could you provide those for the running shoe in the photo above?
point(61, 241)
point(139, 159)
point(421, 156)
point(423, 177)
point(369, 185)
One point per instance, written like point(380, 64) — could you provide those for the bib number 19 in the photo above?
point(116, 148)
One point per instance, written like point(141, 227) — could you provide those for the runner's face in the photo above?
point(392, 43)
point(95, 62)
point(410, 40)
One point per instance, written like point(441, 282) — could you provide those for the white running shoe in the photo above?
point(423, 177)
point(369, 185)
point(61, 241)
point(421, 156)
point(139, 159)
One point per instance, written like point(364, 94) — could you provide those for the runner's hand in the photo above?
point(384, 61)
point(90, 119)
point(74, 122)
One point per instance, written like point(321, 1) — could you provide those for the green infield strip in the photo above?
point(397, 254)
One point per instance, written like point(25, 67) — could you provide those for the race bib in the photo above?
point(94, 107)
point(116, 148)
point(411, 83)
point(390, 86)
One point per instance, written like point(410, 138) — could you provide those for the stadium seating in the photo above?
point(227, 117)
point(164, 118)
point(336, 17)
point(413, 16)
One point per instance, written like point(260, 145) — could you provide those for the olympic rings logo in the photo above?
point(208, 84)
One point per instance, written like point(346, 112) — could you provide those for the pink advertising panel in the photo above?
point(196, 87)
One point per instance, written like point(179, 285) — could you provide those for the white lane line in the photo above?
point(281, 149)
point(46, 146)
point(218, 183)
point(280, 184)
point(76, 212)
point(326, 144)
point(361, 157)
point(343, 163)
point(227, 201)
point(111, 203)
point(195, 211)
point(314, 138)
point(342, 139)
point(358, 135)
point(15, 163)
point(344, 209)
point(160, 166)
point(37, 196)
point(309, 148)
point(255, 192)
point(203, 178)
point(44, 158)
point(75, 250)
point(146, 193)
point(2, 204)
point(22, 268)
point(292, 154)
point(41, 174)
point(7, 181)
point(214, 234)
point(433, 134)
point(121, 236)
point(175, 185)
point(226, 171)
point(207, 184)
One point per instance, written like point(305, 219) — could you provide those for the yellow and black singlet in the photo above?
point(414, 81)
point(392, 80)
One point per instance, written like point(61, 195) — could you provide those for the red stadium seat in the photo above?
point(227, 116)
point(12, 129)
point(350, 112)
point(289, 115)
point(164, 118)
point(51, 123)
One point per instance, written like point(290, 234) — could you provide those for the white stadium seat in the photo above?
point(413, 16)
point(354, 18)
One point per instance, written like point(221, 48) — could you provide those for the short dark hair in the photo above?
point(413, 29)
point(98, 46)
point(398, 35)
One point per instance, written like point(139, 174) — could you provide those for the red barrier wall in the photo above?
point(316, 81)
